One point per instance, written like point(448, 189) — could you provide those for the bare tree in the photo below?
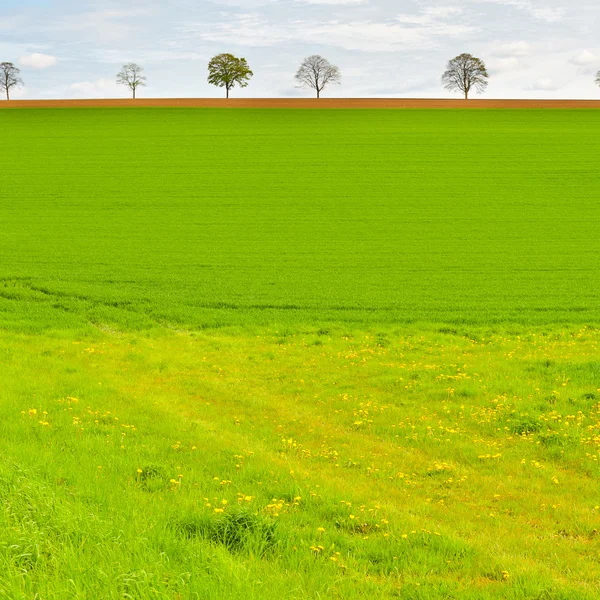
point(9, 77)
point(598, 78)
point(132, 76)
point(226, 70)
point(317, 73)
point(464, 73)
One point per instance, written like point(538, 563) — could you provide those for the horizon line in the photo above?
point(278, 102)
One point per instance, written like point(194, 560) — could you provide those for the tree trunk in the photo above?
point(227, 88)
point(318, 93)
point(466, 95)
point(7, 94)
point(134, 93)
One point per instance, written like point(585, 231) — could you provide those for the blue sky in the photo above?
point(74, 48)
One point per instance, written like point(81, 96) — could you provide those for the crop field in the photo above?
point(198, 218)
point(293, 354)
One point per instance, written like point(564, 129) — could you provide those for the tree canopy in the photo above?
point(464, 73)
point(226, 70)
point(132, 76)
point(9, 77)
point(317, 73)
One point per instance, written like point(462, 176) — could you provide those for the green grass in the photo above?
point(428, 465)
point(194, 218)
point(299, 355)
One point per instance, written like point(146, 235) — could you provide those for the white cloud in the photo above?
point(538, 9)
point(103, 25)
point(336, 2)
point(548, 14)
point(442, 12)
point(430, 15)
point(100, 88)
point(38, 61)
point(584, 59)
point(384, 36)
point(546, 84)
point(505, 64)
point(405, 31)
point(512, 49)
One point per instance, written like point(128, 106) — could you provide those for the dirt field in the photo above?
point(300, 103)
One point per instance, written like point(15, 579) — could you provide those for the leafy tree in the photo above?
point(464, 73)
point(132, 76)
point(226, 70)
point(9, 77)
point(317, 73)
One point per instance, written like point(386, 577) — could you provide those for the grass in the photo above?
point(290, 355)
point(202, 218)
point(220, 465)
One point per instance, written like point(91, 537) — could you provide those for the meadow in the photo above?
point(299, 354)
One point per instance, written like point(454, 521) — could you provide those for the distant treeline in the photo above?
point(463, 74)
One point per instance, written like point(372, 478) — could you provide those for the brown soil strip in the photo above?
point(301, 103)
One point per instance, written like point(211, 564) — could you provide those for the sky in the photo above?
point(384, 48)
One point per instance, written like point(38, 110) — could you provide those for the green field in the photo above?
point(189, 218)
point(279, 354)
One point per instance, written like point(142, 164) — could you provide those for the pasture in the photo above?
point(299, 354)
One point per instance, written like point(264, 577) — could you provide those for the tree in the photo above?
point(598, 77)
point(317, 73)
point(9, 77)
point(464, 73)
point(226, 70)
point(132, 76)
